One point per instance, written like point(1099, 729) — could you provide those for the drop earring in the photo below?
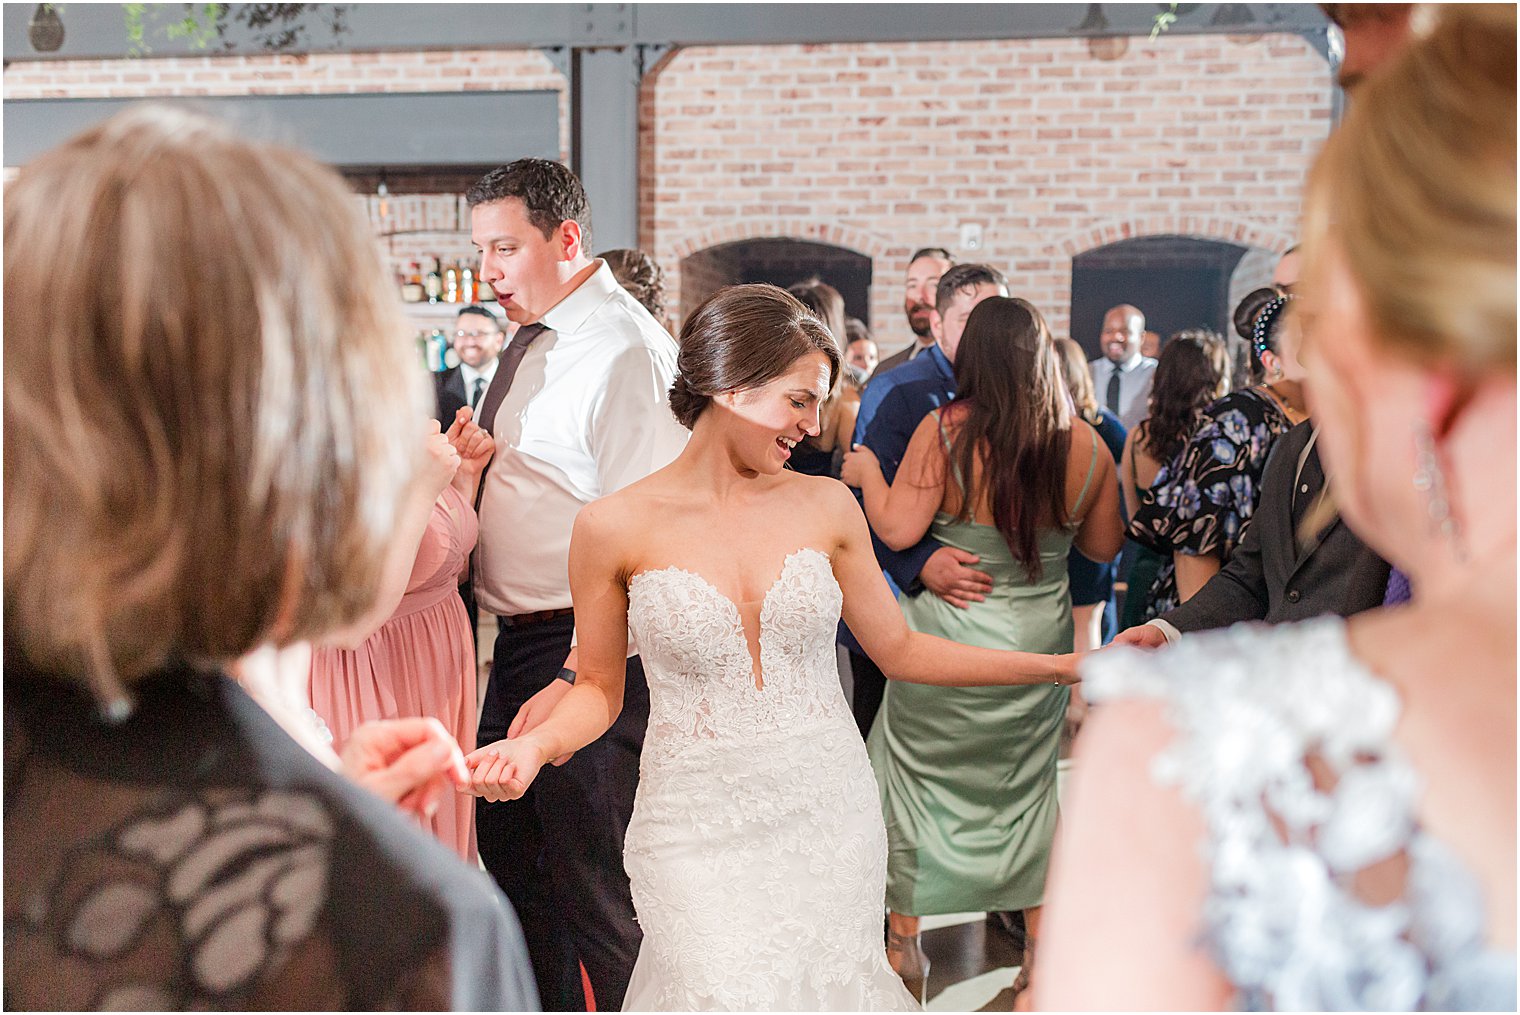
point(1431, 481)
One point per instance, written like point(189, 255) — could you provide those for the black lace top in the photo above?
point(194, 856)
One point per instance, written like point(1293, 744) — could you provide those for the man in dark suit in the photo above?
point(924, 270)
point(477, 339)
point(1275, 575)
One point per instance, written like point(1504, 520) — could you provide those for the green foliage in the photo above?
point(1164, 20)
point(274, 27)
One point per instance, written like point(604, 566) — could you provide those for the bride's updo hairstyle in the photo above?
point(742, 337)
point(1417, 186)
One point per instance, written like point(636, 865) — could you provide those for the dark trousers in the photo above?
point(868, 686)
point(557, 853)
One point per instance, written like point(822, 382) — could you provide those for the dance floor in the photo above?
point(972, 963)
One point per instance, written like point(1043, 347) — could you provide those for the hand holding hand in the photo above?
point(1142, 636)
point(949, 575)
point(537, 709)
point(442, 462)
point(410, 762)
point(503, 770)
point(859, 462)
point(474, 445)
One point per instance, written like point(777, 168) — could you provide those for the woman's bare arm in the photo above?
point(1100, 535)
point(910, 656)
point(1126, 474)
point(504, 770)
point(1193, 572)
point(901, 513)
point(1126, 857)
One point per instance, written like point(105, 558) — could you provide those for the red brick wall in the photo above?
point(880, 148)
point(887, 147)
point(418, 226)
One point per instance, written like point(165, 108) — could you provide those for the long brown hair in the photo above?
point(1192, 373)
point(1078, 378)
point(1014, 420)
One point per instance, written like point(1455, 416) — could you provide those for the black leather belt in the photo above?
point(539, 617)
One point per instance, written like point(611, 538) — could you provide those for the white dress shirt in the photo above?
point(1135, 376)
point(587, 414)
point(469, 375)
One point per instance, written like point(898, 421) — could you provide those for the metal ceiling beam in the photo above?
point(99, 30)
point(603, 49)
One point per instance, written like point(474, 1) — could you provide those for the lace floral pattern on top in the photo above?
point(1253, 707)
point(756, 851)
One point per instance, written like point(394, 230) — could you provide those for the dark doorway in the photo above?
point(1176, 281)
point(781, 261)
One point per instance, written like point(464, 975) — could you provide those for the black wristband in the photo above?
point(566, 674)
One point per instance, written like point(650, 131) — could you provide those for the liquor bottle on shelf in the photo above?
point(433, 283)
point(437, 346)
point(411, 284)
point(451, 284)
point(466, 285)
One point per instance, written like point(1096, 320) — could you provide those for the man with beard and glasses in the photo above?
point(924, 269)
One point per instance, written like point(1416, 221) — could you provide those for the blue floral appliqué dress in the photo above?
point(1203, 498)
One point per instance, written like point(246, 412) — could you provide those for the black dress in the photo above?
point(1202, 500)
point(194, 856)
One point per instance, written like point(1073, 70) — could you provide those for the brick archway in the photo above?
point(859, 240)
point(1206, 227)
point(874, 248)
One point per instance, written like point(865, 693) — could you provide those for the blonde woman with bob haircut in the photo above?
point(209, 443)
point(1322, 815)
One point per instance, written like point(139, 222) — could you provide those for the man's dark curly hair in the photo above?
point(550, 192)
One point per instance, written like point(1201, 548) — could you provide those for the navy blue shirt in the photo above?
point(891, 407)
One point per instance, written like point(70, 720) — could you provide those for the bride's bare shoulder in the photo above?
point(819, 495)
point(631, 508)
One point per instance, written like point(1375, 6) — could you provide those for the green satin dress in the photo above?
point(968, 774)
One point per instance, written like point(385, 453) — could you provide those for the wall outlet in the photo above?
point(971, 236)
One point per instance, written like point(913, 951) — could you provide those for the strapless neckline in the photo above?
point(756, 659)
point(785, 563)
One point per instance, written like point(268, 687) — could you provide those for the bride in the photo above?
point(756, 851)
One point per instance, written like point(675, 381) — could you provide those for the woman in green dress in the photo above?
point(968, 775)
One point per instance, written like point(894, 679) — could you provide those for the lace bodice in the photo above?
point(756, 852)
point(701, 677)
point(1283, 918)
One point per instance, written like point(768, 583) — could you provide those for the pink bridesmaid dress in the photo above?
point(421, 662)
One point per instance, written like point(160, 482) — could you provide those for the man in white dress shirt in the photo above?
point(1121, 375)
point(578, 410)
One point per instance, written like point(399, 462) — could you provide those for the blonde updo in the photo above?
point(1418, 187)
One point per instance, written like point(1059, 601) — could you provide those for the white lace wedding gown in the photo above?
point(756, 850)
point(1283, 918)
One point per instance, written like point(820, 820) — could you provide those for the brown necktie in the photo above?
point(511, 359)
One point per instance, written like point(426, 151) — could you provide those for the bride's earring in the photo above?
point(1430, 480)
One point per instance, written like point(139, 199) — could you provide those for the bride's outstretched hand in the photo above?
point(503, 770)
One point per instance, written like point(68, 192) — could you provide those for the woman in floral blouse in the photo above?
point(1198, 507)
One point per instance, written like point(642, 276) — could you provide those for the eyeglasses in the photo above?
point(475, 334)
